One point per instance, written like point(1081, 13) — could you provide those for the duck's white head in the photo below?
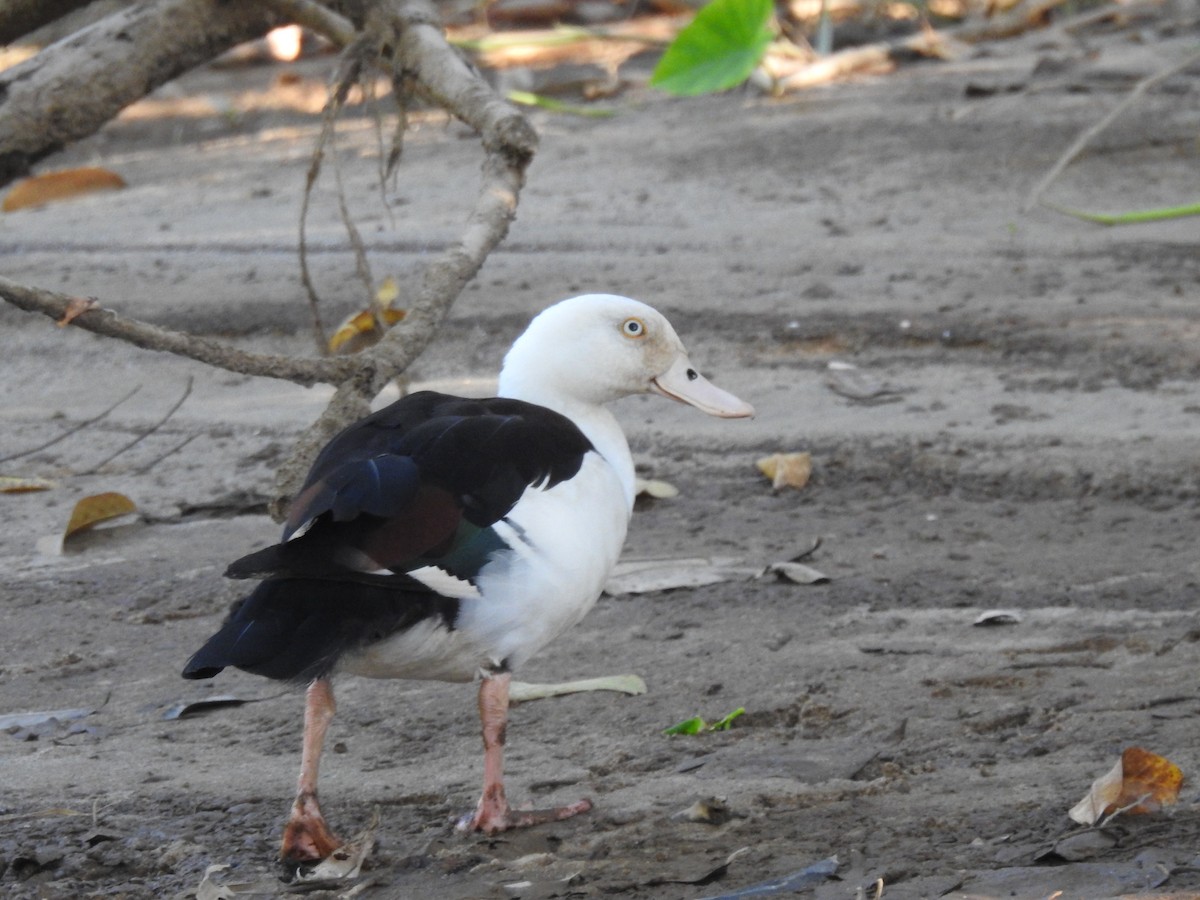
point(600, 347)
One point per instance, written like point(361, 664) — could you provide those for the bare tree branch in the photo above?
point(316, 17)
point(67, 92)
point(78, 426)
point(152, 337)
point(19, 17)
point(419, 51)
point(350, 65)
point(408, 44)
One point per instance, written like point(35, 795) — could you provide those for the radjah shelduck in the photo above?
point(451, 539)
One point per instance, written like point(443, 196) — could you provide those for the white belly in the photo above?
point(565, 542)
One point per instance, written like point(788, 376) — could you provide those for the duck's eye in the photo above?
point(633, 328)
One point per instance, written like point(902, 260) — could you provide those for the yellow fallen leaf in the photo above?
point(786, 469)
point(1141, 782)
point(11, 484)
point(62, 185)
point(98, 508)
point(357, 331)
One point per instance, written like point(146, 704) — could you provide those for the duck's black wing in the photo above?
point(419, 483)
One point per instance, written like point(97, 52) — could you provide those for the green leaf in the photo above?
point(1132, 218)
point(726, 723)
point(528, 99)
point(718, 50)
point(694, 725)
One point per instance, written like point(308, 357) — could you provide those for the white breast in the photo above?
point(564, 541)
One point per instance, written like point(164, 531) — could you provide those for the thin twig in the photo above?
point(70, 431)
point(300, 370)
point(420, 52)
point(362, 266)
point(406, 41)
point(400, 92)
point(371, 103)
point(1090, 133)
point(187, 392)
point(388, 155)
point(320, 340)
point(154, 462)
point(350, 64)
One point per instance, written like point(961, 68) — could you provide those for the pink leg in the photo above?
point(306, 837)
point(493, 813)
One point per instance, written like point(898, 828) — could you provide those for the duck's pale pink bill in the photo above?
point(683, 383)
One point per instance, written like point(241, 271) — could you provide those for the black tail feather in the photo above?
point(296, 629)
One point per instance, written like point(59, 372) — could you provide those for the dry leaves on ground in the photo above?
point(786, 469)
point(13, 484)
point(62, 185)
point(96, 509)
point(1141, 782)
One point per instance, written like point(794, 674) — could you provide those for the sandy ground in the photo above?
point(1038, 454)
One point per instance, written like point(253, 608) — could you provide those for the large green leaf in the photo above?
point(718, 50)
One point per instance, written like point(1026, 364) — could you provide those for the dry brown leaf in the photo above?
point(11, 484)
point(1152, 781)
point(786, 469)
point(76, 307)
point(358, 331)
point(62, 185)
point(1141, 782)
point(98, 508)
